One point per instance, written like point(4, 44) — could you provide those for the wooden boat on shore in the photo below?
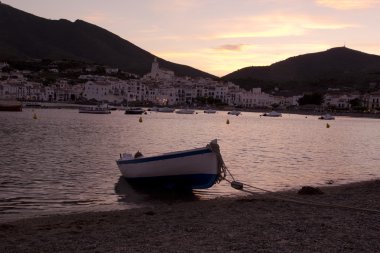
point(10, 105)
point(190, 169)
point(99, 109)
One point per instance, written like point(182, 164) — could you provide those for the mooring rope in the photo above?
point(222, 175)
point(222, 168)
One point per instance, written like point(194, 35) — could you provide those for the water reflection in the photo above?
point(65, 161)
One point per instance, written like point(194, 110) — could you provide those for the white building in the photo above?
point(3, 65)
point(293, 100)
point(374, 100)
point(96, 90)
point(339, 101)
point(158, 73)
point(253, 98)
point(112, 70)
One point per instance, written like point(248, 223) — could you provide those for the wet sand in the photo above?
point(257, 223)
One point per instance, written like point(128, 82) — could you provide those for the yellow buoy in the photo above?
point(140, 120)
point(327, 125)
point(35, 116)
point(228, 121)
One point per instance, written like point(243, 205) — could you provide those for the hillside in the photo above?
point(336, 68)
point(25, 36)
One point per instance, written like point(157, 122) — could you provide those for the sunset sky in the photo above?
point(221, 36)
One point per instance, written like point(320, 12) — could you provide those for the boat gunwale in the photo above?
point(166, 156)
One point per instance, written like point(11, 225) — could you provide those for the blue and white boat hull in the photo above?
point(191, 169)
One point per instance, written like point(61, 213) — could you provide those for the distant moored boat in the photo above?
point(209, 111)
point(33, 105)
point(185, 111)
point(166, 109)
point(272, 114)
point(236, 113)
point(327, 117)
point(10, 105)
point(134, 110)
point(99, 109)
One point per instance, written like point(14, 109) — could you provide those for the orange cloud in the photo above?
point(347, 4)
point(231, 47)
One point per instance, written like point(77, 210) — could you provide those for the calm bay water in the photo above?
point(65, 161)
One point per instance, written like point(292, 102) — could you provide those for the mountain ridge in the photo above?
point(336, 67)
point(26, 36)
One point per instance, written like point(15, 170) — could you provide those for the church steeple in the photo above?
point(155, 66)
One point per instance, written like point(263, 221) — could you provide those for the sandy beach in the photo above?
point(257, 223)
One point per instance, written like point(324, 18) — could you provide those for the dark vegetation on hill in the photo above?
point(25, 36)
point(48, 72)
point(340, 67)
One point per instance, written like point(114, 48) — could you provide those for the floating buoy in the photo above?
point(35, 116)
point(327, 125)
point(140, 120)
point(228, 121)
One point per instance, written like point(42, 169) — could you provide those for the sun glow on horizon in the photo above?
point(221, 61)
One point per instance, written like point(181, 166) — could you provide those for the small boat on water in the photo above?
point(272, 114)
point(185, 111)
point(33, 105)
point(209, 111)
point(327, 117)
point(153, 109)
point(10, 105)
point(134, 110)
point(236, 113)
point(197, 168)
point(166, 109)
point(99, 109)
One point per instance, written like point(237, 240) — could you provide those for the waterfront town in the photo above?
point(159, 87)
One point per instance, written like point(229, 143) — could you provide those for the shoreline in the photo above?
point(338, 114)
point(242, 224)
point(47, 105)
